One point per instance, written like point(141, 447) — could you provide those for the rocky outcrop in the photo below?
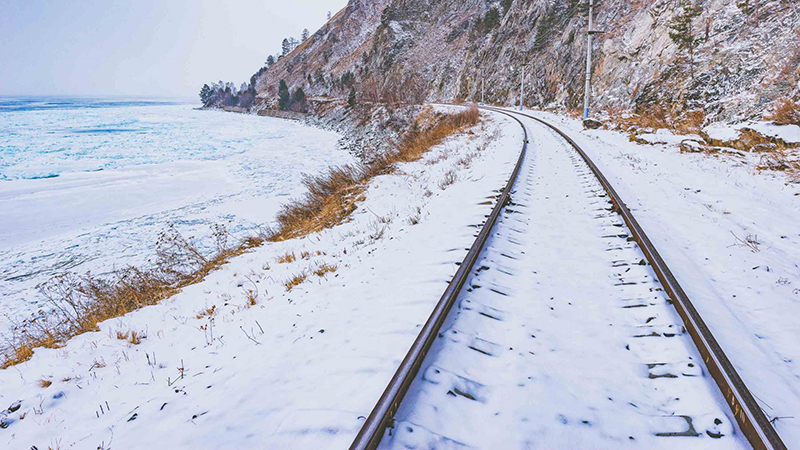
point(448, 48)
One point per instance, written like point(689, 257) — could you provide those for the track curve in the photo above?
point(590, 189)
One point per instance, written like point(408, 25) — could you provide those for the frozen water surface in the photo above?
point(88, 184)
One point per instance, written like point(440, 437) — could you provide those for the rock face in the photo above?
point(447, 49)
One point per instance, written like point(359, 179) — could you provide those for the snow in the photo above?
point(699, 211)
point(300, 368)
point(724, 132)
point(663, 136)
point(561, 339)
point(789, 133)
point(112, 192)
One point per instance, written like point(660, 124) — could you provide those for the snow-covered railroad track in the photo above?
point(561, 335)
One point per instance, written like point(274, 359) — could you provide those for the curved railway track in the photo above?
point(564, 333)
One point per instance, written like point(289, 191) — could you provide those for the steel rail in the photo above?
point(373, 429)
point(754, 424)
point(751, 419)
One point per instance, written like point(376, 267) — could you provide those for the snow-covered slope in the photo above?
point(297, 369)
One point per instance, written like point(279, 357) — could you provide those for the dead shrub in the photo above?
point(657, 117)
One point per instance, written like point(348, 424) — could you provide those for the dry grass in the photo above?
point(207, 312)
point(658, 117)
point(334, 195)
point(251, 296)
point(324, 269)
point(286, 258)
point(448, 179)
point(786, 113)
point(78, 303)
point(133, 337)
point(44, 383)
point(295, 281)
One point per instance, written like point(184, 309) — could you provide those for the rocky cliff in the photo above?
point(740, 61)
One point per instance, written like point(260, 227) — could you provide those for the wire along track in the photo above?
point(565, 332)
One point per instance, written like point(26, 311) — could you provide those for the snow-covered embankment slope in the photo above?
point(298, 368)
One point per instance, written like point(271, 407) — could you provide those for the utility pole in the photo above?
point(522, 90)
point(587, 93)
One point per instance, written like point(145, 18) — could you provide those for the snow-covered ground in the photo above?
point(302, 368)
point(562, 338)
point(724, 132)
point(89, 187)
point(731, 235)
point(299, 369)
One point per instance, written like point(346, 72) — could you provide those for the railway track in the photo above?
point(563, 327)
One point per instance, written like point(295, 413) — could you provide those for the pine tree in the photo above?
point(206, 95)
point(284, 98)
point(299, 95)
point(682, 32)
point(329, 15)
point(351, 99)
point(543, 31)
point(285, 47)
point(270, 61)
point(299, 100)
point(491, 19)
point(304, 36)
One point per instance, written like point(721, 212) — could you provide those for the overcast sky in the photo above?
point(143, 47)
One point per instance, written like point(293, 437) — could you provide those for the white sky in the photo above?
point(143, 47)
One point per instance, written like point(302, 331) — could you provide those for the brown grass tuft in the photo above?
point(133, 337)
point(295, 281)
point(333, 196)
point(657, 117)
point(44, 383)
point(286, 258)
point(207, 312)
point(786, 113)
point(448, 179)
point(324, 269)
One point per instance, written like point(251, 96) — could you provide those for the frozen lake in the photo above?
point(87, 185)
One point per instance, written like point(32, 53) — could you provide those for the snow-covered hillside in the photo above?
point(741, 62)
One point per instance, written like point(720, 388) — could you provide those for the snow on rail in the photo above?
point(564, 334)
